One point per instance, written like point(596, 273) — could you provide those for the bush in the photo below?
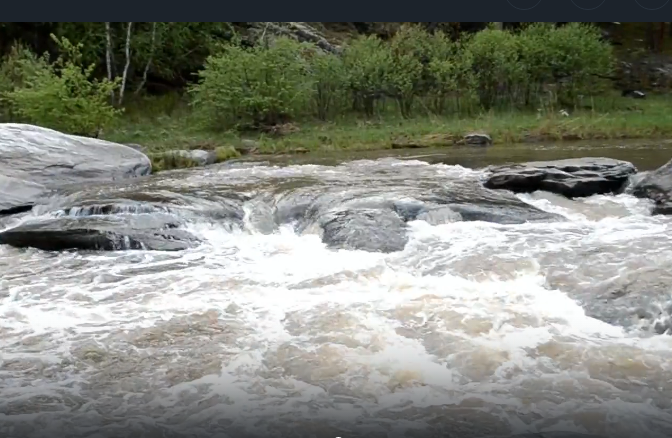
point(497, 67)
point(271, 84)
point(16, 67)
point(451, 75)
point(62, 96)
point(409, 75)
point(368, 62)
point(573, 59)
point(252, 88)
point(329, 80)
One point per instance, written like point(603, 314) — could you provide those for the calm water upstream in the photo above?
point(474, 329)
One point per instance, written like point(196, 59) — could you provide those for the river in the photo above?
point(473, 329)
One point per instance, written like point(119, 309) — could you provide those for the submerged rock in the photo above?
point(573, 178)
point(35, 160)
point(367, 230)
point(657, 186)
point(108, 233)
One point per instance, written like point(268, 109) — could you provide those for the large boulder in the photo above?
point(657, 186)
point(573, 178)
point(35, 160)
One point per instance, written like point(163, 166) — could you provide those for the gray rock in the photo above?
point(137, 147)
point(365, 229)
point(247, 146)
point(478, 139)
point(35, 160)
point(657, 186)
point(572, 178)
point(103, 232)
point(200, 157)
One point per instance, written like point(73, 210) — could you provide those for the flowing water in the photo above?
point(473, 329)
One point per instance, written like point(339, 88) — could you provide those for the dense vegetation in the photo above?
point(281, 80)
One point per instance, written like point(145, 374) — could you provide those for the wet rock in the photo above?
point(490, 206)
point(572, 178)
point(196, 156)
point(477, 138)
point(35, 160)
point(367, 230)
point(657, 186)
point(107, 233)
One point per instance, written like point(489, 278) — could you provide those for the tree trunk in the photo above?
point(128, 62)
point(149, 60)
point(108, 55)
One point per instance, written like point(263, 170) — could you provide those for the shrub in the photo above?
point(63, 95)
point(451, 74)
point(573, 58)
point(496, 65)
point(251, 88)
point(368, 62)
point(329, 80)
point(16, 67)
point(409, 74)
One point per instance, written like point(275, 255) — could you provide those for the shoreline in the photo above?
point(157, 135)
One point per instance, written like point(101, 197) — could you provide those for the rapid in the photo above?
point(473, 329)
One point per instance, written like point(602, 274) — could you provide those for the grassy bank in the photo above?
point(161, 127)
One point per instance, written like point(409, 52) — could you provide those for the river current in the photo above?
point(473, 329)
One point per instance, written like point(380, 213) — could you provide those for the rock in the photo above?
point(489, 206)
point(426, 141)
point(657, 186)
point(478, 139)
point(106, 232)
point(17, 195)
point(197, 156)
point(137, 147)
point(572, 178)
point(247, 146)
point(300, 31)
point(35, 160)
point(370, 230)
point(635, 94)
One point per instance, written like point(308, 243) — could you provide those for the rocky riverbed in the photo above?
point(375, 296)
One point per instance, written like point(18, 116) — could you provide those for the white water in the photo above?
point(276, 334)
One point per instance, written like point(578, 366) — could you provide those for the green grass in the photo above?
point(170, 125)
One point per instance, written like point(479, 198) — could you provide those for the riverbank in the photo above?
point(171, 128)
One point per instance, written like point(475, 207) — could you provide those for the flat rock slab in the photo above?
point(572, 178)
point(106, 233)
point(657, 186)
point(35, 160)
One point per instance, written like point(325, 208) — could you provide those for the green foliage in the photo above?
point(18, 66)
point(497, 66)
point(368, 62)
point(572, 58)
point(409, 77)
point(224, 153)
point(63, 95)
point(253, 88)
point(451, 74)
point(329, 82)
